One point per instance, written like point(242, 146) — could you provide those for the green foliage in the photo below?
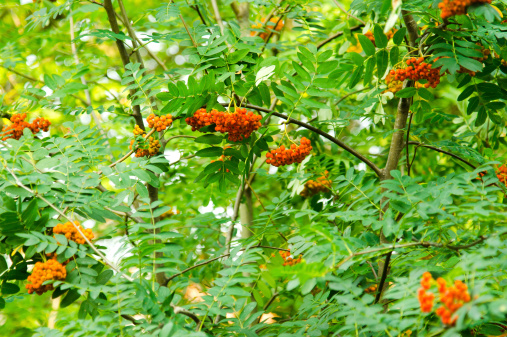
point(205, 238)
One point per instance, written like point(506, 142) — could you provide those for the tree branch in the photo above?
point(321, 133)
point(111, 15)
point(434, 148)
point(217, 258)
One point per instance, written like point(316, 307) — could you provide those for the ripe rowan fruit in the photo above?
point(294, 154)
point(287, 258)
point(160, 123)
point(501, 174)
point(71, 232)
point(452, 298)
point(138, 131)
point(44, 271)
point(239, 124)
point(15, 130)
point(264, 35)
point(312, 187)
point(456, 7)
point(416, 70)
point(396, 85)
point(371, 289)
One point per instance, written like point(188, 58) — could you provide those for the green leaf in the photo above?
point(466, 93)
point(210, 152)
point(105, 276)
point(368, 47)
point(209, 139)
point(9, 288)
point(237, 56)
point(382, 63)
point(426, 94)
point(380, 37)
point(71, 297)
point(3, 264)
point(482, 115)
point(406, 92)
point(399, 35)
point(356, 76)
point(394, 55)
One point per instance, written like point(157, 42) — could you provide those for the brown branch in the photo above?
point(111, 15)
point(334, 36)
point(408, 137)
point(217, 258)
point(397, 140)
point(434, 148)
point(321, 133)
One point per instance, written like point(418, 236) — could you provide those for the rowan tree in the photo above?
point(236, 168)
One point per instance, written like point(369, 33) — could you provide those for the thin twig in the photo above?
point(408, 137)
point(347, 13)
point(217, 258)
point(434, 148)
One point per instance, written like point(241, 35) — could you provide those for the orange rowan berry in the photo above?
point(312, 187)
point(426, 280)
point(456, 7)
point(371, 289)
point(70, 232)
point(416, 70)
point(452, 298)
point(501, 174)
point(160, 123)
point(44, 271)
point(15, 130)
point(288, 259)
point(296, 154)
point(425, 299)
point(138, 131)
point(239, 124)
point(264, 35)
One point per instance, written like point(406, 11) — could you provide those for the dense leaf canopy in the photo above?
point(227, 168)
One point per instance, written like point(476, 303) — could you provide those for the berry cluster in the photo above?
point(321, 184)
point(501, 174)
point(457, 7)
point(138, 131)
point(264, 35)
point(395, 85)
point(71, 232)
point(416, 70)
point(159, 123)
point(371, 289)
point(44, 271)
point(287, 258)
point(452, 297)
point(151, 149)
point(15, 130)
point(295, 154)
point(239, 124)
